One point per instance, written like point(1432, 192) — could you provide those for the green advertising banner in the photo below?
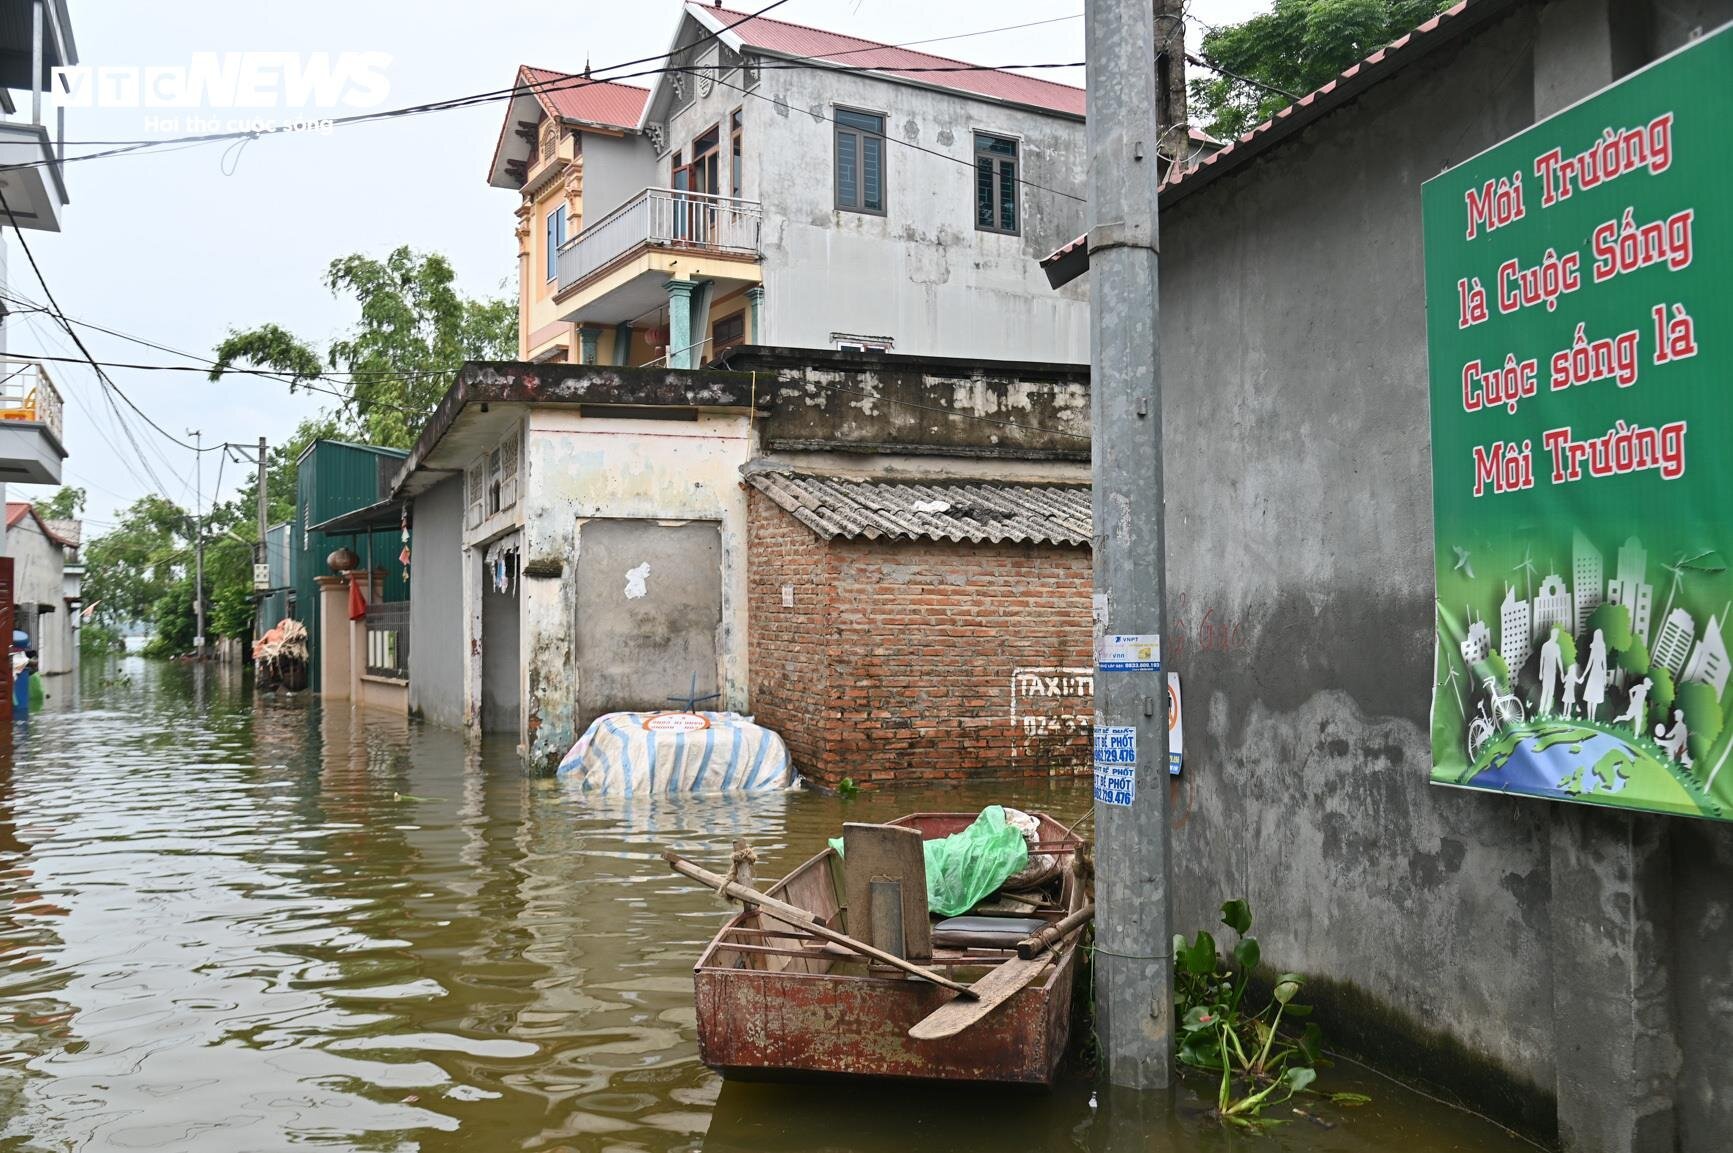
point(1579, 286)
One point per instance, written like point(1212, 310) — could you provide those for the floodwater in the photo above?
point(233, 926)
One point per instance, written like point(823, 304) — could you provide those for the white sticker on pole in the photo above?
point(1175, 727)
point(1115, 764)
point(1129, 653)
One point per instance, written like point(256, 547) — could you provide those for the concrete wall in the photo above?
point(37, 576)
point(1512, 950)
point(616, 168)
point(579, 467)
point(436, 656)
point(921, 275)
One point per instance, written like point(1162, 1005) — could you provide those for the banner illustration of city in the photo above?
point(1579, 282)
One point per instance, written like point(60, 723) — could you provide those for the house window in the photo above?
point(995, 184)
point(556, 237)
point(508, 472)
point(495, 477)
point(706, 163)
point(475, 481)
point(735, 184)
point(728, 332)
point(860, 161)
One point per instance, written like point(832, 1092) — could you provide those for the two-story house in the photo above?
point(786, 185)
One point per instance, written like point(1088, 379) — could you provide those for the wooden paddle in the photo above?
point(1002, 983)
point(800, 918)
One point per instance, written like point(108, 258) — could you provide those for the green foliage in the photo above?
point(173, 622)
point(1661, 692)
point(1494, 663)
point(1614, 623)
point(1219, 1032)
point(847, 788)
point(97, 639)
point(130, 568)
point(232, 610)
point(65, 504)
point(1297, 46)
point(1634, 658)
point(1702, 717)
point(414, 331)
point(1567, 647)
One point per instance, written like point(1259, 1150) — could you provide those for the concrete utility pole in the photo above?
point(1133, 978)
point(198, 541)
point(263, 556)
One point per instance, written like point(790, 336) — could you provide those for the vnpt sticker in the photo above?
point(1115, 764)
point(1129, 653)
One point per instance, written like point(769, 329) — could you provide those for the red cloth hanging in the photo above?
point(357, 602)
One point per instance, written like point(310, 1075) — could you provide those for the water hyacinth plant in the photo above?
point(1260, 1066)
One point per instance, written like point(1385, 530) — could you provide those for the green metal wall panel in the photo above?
point(332, 478)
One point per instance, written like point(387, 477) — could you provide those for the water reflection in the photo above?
point(231, 925)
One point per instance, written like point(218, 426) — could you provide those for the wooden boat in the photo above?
point(777, 1003)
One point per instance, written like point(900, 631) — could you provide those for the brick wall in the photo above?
point(928, 660)
point(787, 648)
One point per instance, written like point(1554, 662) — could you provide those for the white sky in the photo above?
point(181, 246)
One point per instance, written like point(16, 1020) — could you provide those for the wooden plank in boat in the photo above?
point(887, 853)
point(991, 991)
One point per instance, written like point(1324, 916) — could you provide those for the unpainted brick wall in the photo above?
point(897, 660)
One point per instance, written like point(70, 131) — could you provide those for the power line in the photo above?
point(54, 306)
point(1205, 62)
point(568, 82)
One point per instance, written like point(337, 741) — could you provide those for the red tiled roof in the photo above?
point(569, 96)
point(780, 38)
point(17, 510)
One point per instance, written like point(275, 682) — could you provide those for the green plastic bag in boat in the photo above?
point(965, 868)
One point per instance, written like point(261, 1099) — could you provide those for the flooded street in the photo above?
point(227, 926)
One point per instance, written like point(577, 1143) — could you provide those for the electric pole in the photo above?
point(262, 562)
point(198, 541)
point(1133, 979)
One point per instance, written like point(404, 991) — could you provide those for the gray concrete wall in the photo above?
point(1301, 607)
point(921, 275)
point(436, 617)
point(616, 168)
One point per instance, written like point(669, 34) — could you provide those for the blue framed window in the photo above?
point(556, 237)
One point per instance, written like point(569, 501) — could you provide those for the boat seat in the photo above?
point(1002, 932)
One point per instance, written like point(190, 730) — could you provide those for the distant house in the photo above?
point(46, 583)
point(867, 199)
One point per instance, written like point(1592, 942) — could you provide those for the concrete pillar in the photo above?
point(588, 339)
point(357, 644)
point(333, 637)
point(754, 312)
point(680, 348)
point(1614, 1030)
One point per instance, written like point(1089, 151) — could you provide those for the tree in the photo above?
point(1567, 648)
point(65, 504)
point(414, 332)
point(1634, 657)
point(1661, 692)
point(130, 568)
point(1702, 718)
point(1613, 622)
point(1296, 47)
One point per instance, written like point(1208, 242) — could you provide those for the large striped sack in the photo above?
point(636, 754)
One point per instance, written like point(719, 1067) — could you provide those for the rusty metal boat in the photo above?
point(775, 1002)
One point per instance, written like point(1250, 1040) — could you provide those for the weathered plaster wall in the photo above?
point(602, 466)
point(436, 605)
point(1299, 522)
point(1299, 541)
point(922, 274)
point(37, 568)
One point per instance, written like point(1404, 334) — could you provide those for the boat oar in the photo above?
point(802, 919)
point(1002, 983)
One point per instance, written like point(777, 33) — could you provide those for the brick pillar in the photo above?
point(333, 637)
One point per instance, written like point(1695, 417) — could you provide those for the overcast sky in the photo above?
point(181, 246)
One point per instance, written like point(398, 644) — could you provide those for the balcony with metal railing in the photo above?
point(32, 443)
point(612, 270)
